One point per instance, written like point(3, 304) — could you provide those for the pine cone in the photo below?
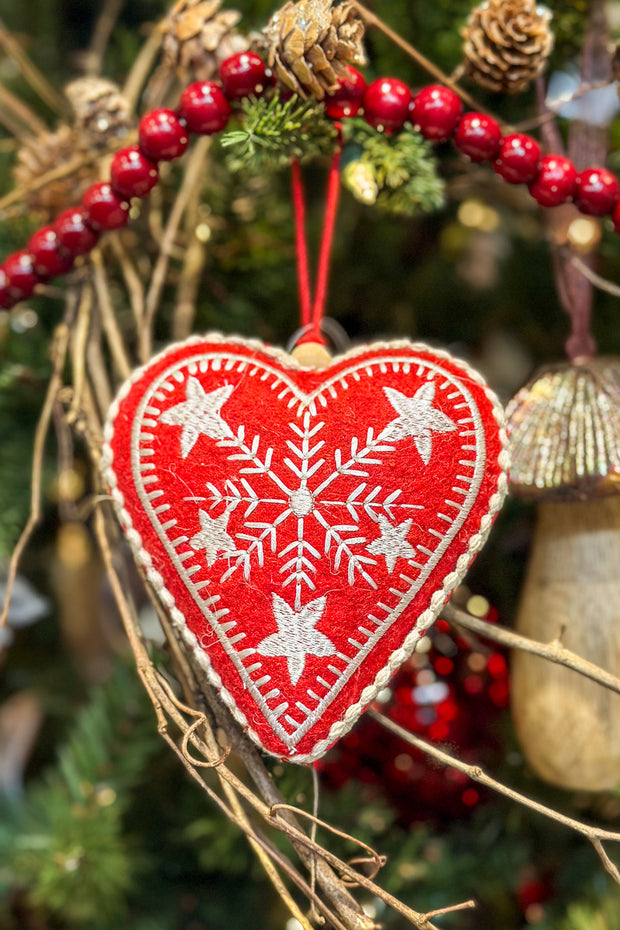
point(309, 42)
point(198, 37)
point(101, 113)
point(507, 43)
point(44, 153)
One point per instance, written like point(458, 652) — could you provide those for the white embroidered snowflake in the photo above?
point(298, 498)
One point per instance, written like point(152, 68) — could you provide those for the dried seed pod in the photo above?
point(507, 43)
point(308, 44)
point(101, 113)
point(45, 153)
point(198, 36)
point(564, 431)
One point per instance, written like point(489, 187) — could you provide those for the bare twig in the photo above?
point(603, 284)
point(141, 68)
point(59, 353)
point(55, 174)
point(189, 189)
point(554, 651)
point(596, 835)
point(93, 57)
point(28, 122)
point(135, 288)
point(108, 319)
point(31, 73)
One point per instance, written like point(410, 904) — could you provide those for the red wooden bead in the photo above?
point(105, 209)
point(386, 103)
point(132, 173)
point(597, 191)
point(556, 182)
point(6, 298)
point(436, 112)
point(75, 236)
point(616, 217)
point(204, 108)
point(47, 257)
point(518, 161)
point(162, 136)
point(20, 273)
point(347, 100)
point(478, 136)
point(243, 74)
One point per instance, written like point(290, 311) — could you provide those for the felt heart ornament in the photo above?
point(303, 527)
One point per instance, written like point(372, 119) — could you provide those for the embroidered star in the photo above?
point(213, 537)
point(417, 418)
point(392, 543)
point(199, 414)
point(296, 637)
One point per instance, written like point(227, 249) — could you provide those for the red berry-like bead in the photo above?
point(243, 74)
point(48, 259)
point(132, 173)
point(597, 191)
point(105, 209)
point(556, 182)
point(204, 108)
point(478, 136)
point(436, 111)
point(347, 100)
point(75, 236)
point(386, 104)
point(6, 298)
point(518, 160)
point(162, 136)
point(20, 274)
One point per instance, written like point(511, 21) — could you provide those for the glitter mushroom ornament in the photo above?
point(565, 444)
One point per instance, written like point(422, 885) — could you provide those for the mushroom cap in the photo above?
point(564, 432)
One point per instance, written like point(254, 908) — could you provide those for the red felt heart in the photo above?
point(304, 528)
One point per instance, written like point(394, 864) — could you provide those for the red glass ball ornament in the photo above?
point(20, 274)
point(478, 136)
point(597, 191)
point(243, 74)
point(48, 259)
point(518, 160)
point(132, 173)
point(386, 104)
point(204, 108)
point(347, 100)
point(436, 112)
point(556, 182)
point(6, 297)
point(105, 209)
point(75, 236)
point(162, 136)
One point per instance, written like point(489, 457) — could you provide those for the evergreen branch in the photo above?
point(399, 170)
point(275, 132)
point(65, 843)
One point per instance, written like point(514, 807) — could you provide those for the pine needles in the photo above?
point(275, 132)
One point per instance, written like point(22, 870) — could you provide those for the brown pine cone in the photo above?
point(309, 42)
point(101, 113)
point(47, 152)
point(507, 43)
point(198, 36)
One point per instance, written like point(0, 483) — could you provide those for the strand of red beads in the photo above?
point(205, 108)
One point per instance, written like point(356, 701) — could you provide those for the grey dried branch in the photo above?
point(31, 73)
point(60, 343)
point(554, 651)
point(596, 835)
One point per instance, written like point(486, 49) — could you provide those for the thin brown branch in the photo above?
point(478, 775)
point(554, 651)
point(141, 68)
point(373, 20)
point(79, 340)
point(59, 354)
point(189, 279)
point(134, 285)
point(31, 73)
point(94, 55)
point(189, 189)
point(603, 284)
point(107, 316)
point(29, 122)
